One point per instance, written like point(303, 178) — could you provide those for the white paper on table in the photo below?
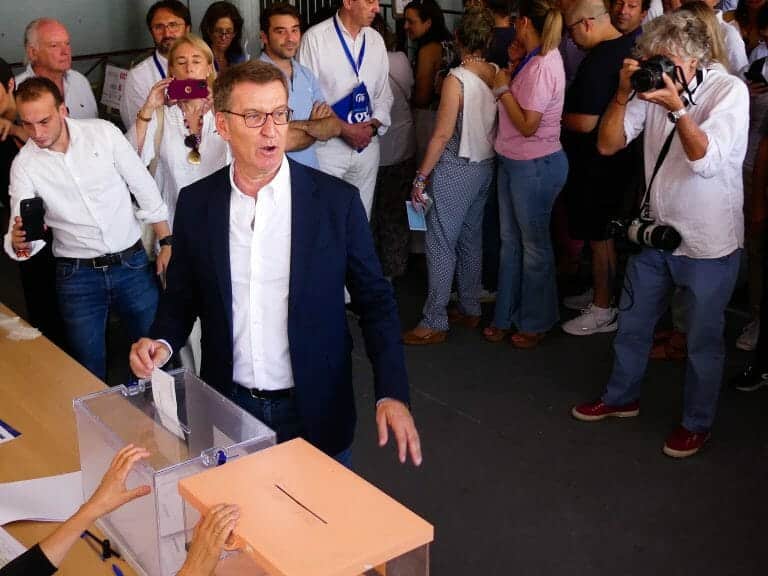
point(10, 548)
point(47, 499)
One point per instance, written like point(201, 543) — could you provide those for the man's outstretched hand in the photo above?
point(394, 415)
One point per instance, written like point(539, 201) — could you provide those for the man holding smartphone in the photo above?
point(85, 172)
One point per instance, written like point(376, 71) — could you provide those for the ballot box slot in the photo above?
point(284, 491)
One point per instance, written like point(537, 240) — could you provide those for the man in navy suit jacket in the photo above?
point(308, 238)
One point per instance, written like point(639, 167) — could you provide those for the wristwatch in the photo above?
point(675, 116)
point(166, 240)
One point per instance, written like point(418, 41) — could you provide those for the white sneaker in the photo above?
point(579, 301)
point(591, 321)
point(748, 339)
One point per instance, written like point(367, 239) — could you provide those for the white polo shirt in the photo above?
point(78, 95)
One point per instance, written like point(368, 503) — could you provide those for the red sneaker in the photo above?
point(683, 443)
point(594, 411)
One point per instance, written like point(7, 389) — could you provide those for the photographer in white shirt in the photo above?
point(697, 191)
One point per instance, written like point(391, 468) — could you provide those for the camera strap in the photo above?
point(646, 205)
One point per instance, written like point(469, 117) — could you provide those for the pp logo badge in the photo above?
point(358, 116)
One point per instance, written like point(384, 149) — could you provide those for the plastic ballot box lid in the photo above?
point(302, 513)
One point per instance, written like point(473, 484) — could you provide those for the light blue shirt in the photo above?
point(303, 91)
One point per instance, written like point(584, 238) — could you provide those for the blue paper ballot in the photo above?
point(416, 220)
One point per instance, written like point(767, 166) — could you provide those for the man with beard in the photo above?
point(312, 117)
point(167, 20)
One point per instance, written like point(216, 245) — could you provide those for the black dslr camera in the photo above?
point(645, 232)
point(649, 77)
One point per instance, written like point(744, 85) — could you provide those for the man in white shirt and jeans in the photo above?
point(85, 171)
point(350, 61)
point(49, 54)
point(697, 191)
point(167, 20)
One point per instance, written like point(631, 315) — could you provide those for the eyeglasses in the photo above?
point(172, 27)
point(223, 33)
point(255, 119)
point(571, 27)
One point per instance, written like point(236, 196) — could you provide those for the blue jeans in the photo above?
point(87, 295)
point(649, 278)
point(280, 414)
point(527, 293)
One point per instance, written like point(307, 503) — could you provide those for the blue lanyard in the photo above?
point(159, 66)
point(525, 61)
point(355, 67)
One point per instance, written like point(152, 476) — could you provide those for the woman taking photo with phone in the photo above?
point(175, 135)
point(175, 131)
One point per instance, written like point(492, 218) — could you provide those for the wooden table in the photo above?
point(37, 384)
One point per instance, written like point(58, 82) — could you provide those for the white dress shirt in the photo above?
point(321, 51)
point(260, 264)
point(86, 191)
point(701, 199)
point(734, 45)
point(137, 85)
point(173, 170)
point(78, 95)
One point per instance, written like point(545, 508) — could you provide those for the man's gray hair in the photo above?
point(30, 32)
point(680, 34)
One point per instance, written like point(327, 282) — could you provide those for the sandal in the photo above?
point(526, 340)
point(494, 334)
point(423, 336)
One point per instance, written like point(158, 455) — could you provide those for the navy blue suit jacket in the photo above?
point(331, 246)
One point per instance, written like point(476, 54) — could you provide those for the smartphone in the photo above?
point(187, 89)
point(31, 212)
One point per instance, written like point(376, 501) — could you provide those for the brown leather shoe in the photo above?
point(457, 317)
point(683, 443)
point(423, 336)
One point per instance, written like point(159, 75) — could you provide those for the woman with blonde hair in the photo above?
point(177, 139)
point(456, 173)
point(532, 171)
point(706, 14)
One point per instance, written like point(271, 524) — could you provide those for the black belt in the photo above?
point(266, 394)
point(114, 259)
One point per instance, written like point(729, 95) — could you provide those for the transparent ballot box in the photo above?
point(187, 427)
point(304, 514)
